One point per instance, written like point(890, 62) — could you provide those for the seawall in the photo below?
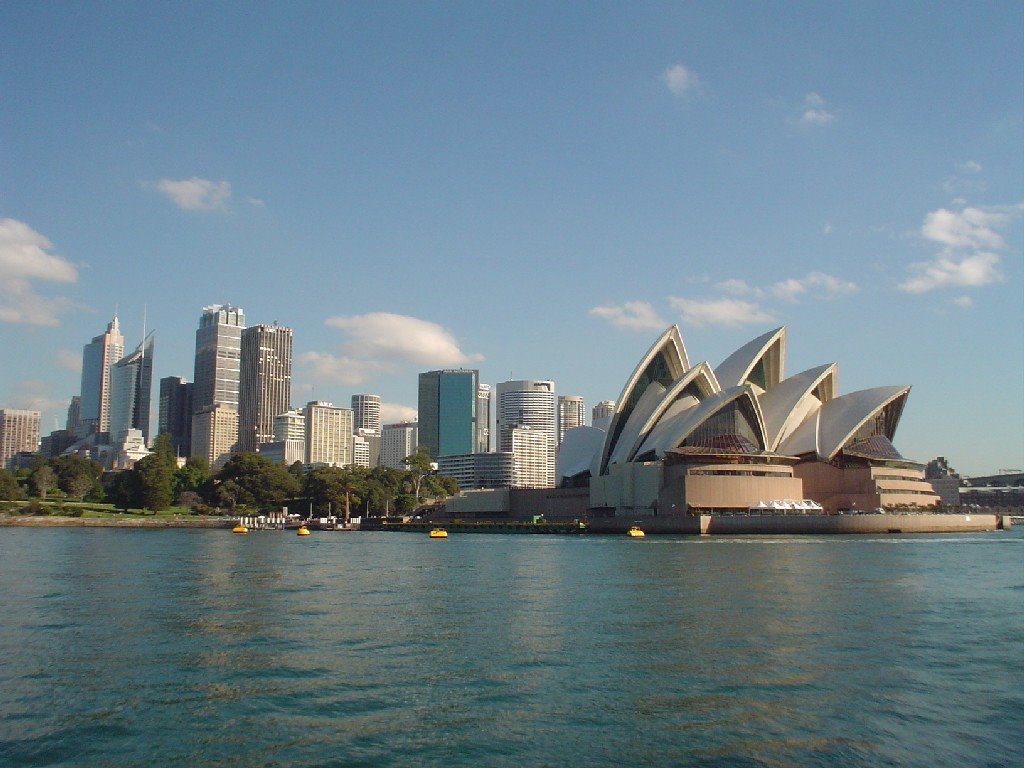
point(715, 525)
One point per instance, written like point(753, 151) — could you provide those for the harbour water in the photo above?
point(203, 648)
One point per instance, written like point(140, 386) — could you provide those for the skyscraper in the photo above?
point(572, 413)
point(366, 412)
point(216, 382)
point(98, 357)
point(131, 381)
point(265, 389)
point(528, 403)
point(175, 413)
point(328, 434)
point(218, 357)
point(483, 418)
point(19, 431)
point(448, 411)
point(602, 411)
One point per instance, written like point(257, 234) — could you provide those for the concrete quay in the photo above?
point(715, 525)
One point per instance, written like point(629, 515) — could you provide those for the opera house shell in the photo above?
point(689, 439)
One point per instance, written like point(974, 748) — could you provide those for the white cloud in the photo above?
point(391, 413)
point(970, 243)
point(339, 369)
point(383, 334)
point(681, 80)
point(25, 256)
point(735, 286)
point(964, 301)
point(970, 167)
point(815, 111)
point(635, 315)
point(817, 284)
point(972, 271)
point(728, 312)
point(970, 228)
point(36, 395)
point(197, 194)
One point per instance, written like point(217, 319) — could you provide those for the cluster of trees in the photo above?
point(247, 481)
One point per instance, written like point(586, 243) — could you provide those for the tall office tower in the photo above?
point(98, 357)
point(531, 458)
point(74, 413)
point(572, 413)
point(447, 411)
point(216, 379)
point(528, 403)
point(396, 442)
point(372, 439)
point(131, 381)
point(19, 431)
point(328, 434)
point(289, 443)
point(366, 411)
point(603, 410)
point(483, 418)
point(265, 389)
point(215, 433)
point(174, 416)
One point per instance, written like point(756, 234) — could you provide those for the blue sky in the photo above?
point(534, 189)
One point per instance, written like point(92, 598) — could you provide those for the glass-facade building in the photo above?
point(448, 411)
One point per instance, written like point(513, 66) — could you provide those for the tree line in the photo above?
point(248, 482)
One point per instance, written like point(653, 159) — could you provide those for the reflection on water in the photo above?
point(203, 648)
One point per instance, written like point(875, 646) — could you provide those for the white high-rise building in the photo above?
point(328, 434)
point(366, 412)
point(483, 418)
point(572, 413)
point(531, 458)
point(218, 365)
point(531, 404)
point(398, 441)
point(19, 431)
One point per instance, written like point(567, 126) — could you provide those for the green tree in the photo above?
point(252, 480)
point(10, 490)
point(42, 480)
point(154, 475)
point(420, 466)
point(191, 477)
point(78, 476)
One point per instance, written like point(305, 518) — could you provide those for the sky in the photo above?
point(533, 189)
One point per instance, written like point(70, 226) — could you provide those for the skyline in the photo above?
point(416, 187)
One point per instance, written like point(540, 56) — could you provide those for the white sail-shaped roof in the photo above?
point(639, 416)
point(768, 350)
point(842, 417)
point(804, 439)
point(671, 432)
point(664, 362)
point(793, 401)
point(577, 451)
point(695, 385)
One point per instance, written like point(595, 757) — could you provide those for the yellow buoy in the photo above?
point(239, 529)
point(438, 533)
point(635, 532)
point(303, 531)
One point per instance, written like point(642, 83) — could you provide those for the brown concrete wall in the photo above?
point(553, 503)
point(800, 524)
point(739, 491)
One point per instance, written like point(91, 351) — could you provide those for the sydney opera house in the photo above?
point(688, 439)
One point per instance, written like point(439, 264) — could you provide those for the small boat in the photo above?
point(635, 532)
point(302, 531)
point(438, 533)
point(239, 529)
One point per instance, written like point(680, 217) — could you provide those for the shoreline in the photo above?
point(124, 521)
